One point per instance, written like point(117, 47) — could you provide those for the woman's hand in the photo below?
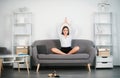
point(66, 21)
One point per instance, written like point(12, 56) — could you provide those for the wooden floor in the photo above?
point(64, 72)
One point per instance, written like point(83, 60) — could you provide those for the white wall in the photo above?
point(49, 14)
point(115, 4)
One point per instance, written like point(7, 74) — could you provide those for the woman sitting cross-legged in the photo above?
point(65, 40)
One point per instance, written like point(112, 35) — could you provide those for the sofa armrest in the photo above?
point(34, 54)
point(92, 53)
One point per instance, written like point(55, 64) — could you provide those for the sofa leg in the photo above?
point(38, 66)
point(89, 67)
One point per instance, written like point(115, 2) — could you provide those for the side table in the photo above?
point(14, 59)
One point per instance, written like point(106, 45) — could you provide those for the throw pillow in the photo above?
point(41, 49)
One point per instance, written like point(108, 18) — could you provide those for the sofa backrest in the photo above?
point(84, 44)
point(3, 51)
point(48, 43)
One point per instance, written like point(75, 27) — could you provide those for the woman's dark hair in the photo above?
point(63, 29)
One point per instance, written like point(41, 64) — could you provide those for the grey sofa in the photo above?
point(3, 51)
point(41, 53)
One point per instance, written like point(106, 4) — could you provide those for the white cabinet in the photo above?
point(21, 30)
point(103, 38)
point(104, 62)
point(22, 61)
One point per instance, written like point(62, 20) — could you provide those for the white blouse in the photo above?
point(65, 41)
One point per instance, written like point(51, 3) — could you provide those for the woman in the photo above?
point(65, 39)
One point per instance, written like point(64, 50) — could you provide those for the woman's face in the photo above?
point(65, 31)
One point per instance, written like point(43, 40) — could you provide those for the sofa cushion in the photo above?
point(63, 57)
point(41, 49)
